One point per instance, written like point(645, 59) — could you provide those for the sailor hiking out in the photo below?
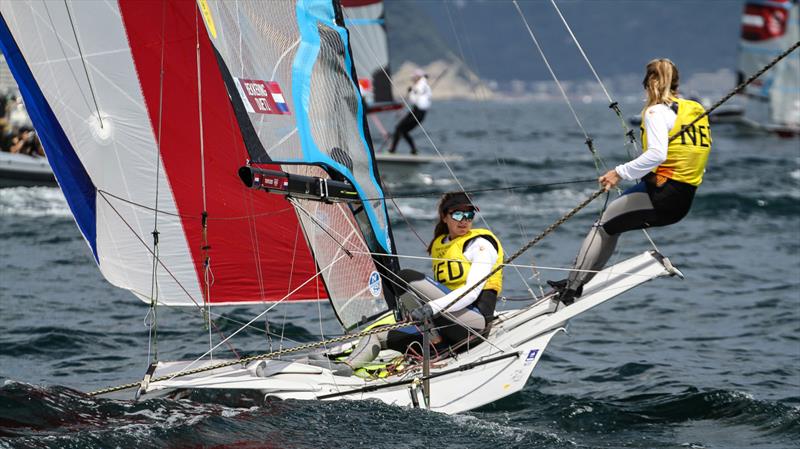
point(419, 98)
point(668, 171)
point(461, 257)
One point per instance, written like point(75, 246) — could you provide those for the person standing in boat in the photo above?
point(668, 173)
point(461, 257)
point(419, 98)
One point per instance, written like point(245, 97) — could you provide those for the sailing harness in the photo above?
point(343, 338)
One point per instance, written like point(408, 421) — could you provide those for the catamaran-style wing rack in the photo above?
point(300, 186)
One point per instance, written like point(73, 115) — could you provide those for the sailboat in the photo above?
point(773, 101)
point(216, 153)
point(369, 41)
point(18, 169)
point(770, 104)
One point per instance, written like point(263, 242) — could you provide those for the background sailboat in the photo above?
point(369, 40)
point(772, 102)
point(769, 27)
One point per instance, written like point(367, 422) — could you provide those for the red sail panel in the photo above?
point(256, 249)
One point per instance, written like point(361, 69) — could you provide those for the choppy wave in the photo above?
point(57, 416)
point(746, 203)
point(33, 202)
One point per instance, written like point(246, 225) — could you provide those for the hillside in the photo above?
point(619, 37)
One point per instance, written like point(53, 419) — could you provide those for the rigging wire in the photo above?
point(598, 161)
point(186, 371)
point(66, 58)
point(403, 216)
point(83, 61)
point(382, 198)
point(348, 337)
point(390, 274)
point(482, 95)
point(253, 320)
point(613, 105)
point(207, 275)
point(160, 262)
point(154, 290)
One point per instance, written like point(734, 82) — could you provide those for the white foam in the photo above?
point(33, 202)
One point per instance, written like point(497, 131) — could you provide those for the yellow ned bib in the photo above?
point(450, 267)
point(687, 155)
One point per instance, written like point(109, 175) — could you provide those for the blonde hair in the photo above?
point(660, 82)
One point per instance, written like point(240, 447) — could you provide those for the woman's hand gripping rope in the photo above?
point(609, 180)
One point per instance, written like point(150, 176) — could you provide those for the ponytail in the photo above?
point(660, 82)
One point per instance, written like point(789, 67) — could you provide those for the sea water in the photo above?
point(712, 361)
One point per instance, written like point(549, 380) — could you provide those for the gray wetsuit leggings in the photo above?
point(641, 206)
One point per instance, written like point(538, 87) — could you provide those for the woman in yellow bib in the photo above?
point(461, 257)
point(668, 173)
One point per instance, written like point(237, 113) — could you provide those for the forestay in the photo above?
point(147, 109)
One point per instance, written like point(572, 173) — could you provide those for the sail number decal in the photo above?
point(375, 284)
point(262, 97)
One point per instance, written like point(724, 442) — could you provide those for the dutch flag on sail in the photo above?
point(277, 98)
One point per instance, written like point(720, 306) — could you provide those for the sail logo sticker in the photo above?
point(262, 97)
point(375, 284)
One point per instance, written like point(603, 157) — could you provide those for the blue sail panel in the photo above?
point(70, 173)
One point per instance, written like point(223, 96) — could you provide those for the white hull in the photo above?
point(398, 167)
point(481, 375)
point(23, 170)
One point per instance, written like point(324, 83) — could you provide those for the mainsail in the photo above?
point(147, 110)
point(769, 27)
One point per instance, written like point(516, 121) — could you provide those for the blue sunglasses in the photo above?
point(461, 215)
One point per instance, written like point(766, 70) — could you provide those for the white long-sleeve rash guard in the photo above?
point(658, 120)
point(420, 95)
point(482, 254)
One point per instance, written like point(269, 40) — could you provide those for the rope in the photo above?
point(245, 360)
point(613, 105)
point(527, 246)
point(343, 338)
